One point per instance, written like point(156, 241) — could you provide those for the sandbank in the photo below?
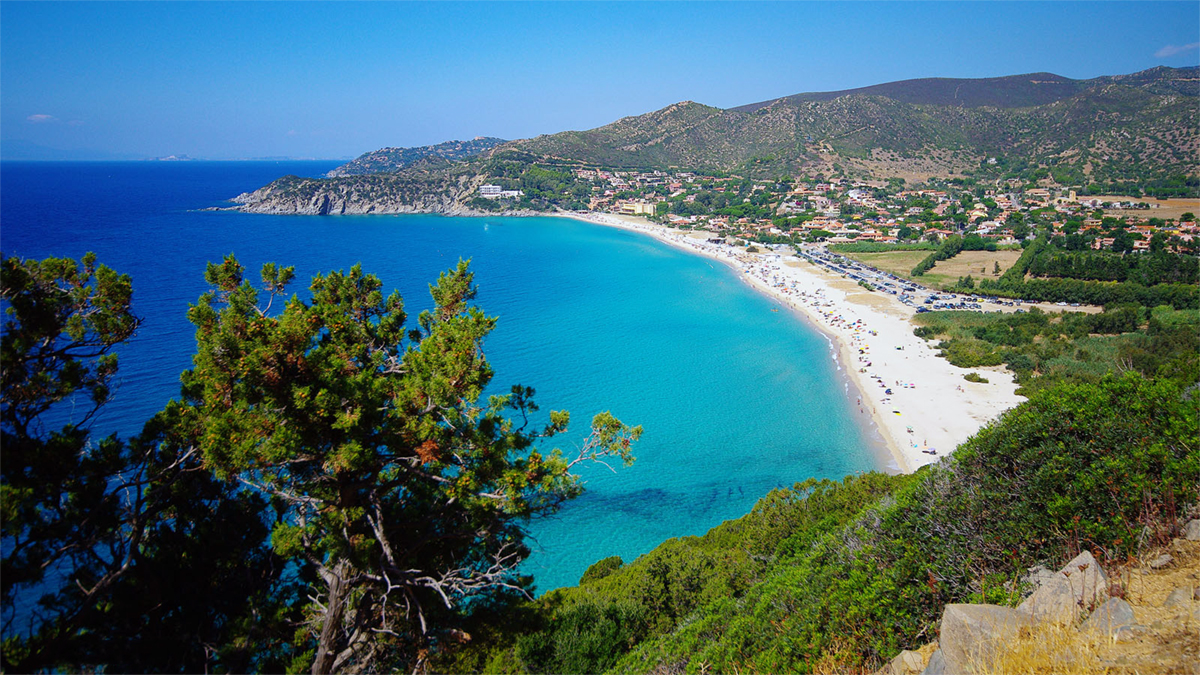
point(930, 408)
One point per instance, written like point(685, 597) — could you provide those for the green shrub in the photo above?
point(975, 377)
point(1077, 466)
point(971, 353)
point(601, 569)
point(840, 576)
point(584, 638)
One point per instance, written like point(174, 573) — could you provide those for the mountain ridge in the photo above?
point(394, 159)
point(1008, 91)
point(1142, 126)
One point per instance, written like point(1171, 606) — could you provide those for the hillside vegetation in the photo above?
point(1108, 127)
point(1141, 129)
point(393, 159)
point(829, 576)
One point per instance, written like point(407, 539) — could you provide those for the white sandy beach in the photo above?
point(931, 408)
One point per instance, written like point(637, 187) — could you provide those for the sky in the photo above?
point(91, 80)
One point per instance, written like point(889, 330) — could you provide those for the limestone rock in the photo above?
point(1191, 531)
point(1089, 584)
point(970, 634)
point(1161, 561)
point(1054, 601)
point(936, 665)
point(1110, 618)
point(1182, 597)
point(906, 662)
point(1063, 595)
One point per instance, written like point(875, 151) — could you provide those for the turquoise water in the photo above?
point(735, 398)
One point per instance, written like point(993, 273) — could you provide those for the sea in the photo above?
point(737, 395)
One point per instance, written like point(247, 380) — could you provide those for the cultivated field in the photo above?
point(978, 264)
point(1159, 208)
point(899, 263)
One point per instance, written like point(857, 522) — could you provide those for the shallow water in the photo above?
point(735, 398)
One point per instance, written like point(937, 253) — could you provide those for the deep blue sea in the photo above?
point(735, 398)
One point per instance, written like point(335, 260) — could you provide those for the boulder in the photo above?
point(1112, 618)
point(1182, 597)
point(1191, 531)
point(1062, 596)
point(936, 665)
point(971, 635)
point(1038, 576)
point(1089, 584)
point(906, 662)
point(1054, 601)
point(1161, 561)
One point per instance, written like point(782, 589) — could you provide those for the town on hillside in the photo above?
point(836, 210)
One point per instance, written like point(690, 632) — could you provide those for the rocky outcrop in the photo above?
point(906, 662)
point(1147, 626)
point(398, 193)
point(972, 634)
point(1191, 531)
point(1064, 596)
point(1112, 618)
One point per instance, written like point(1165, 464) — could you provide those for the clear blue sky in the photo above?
point(233, 80)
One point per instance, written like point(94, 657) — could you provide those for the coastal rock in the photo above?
point(906, 662)
point(1062, 596)
point(1053, 601)
point(1191, 531)
point(970, 634)
point(1089, 584)
point(1182, 597)
point(1110, 618)
point(1038, 576)
point(936, 665)
point(1161, 561)
point(393, 193)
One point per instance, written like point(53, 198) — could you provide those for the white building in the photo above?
point(494, 192)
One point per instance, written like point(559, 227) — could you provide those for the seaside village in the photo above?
point(837, 210)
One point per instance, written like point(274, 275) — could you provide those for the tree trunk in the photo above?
point(331, 627)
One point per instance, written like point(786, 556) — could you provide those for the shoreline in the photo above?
point(930, 406)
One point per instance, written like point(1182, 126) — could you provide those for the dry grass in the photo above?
point(978, 264)
point(1168, 642)
point(1159, 208)
point(1048, 649)
point(899, 263)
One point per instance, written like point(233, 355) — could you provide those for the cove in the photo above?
point(736, 395)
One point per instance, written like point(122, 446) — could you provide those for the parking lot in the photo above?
point(918, 297)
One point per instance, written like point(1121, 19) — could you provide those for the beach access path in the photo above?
point(921, 404)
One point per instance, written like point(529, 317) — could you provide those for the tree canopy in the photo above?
point(331, 476)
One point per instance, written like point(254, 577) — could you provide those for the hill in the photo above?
point(1134, 129)
point(394, 159)
point(1128, 126)
point(1012, 91)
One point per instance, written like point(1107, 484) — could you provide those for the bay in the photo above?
point(735, 398)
